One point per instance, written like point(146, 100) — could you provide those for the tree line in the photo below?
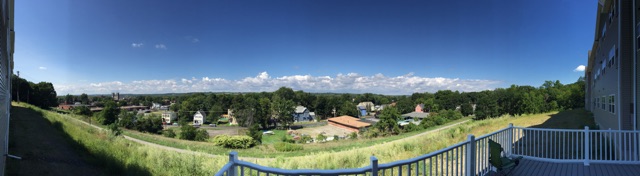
point(269, 109)
point(41, 94)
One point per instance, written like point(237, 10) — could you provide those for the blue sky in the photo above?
point(388, 47)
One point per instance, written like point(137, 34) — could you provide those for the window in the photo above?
point(603, 102)
point(604, 30)
point(612, 104)
point(597, 102)
point(612, 55)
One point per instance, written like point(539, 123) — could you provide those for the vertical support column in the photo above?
point(510, 139)
point(470, 161)
point(374, 166)
point(233, 158)
point(587, 149)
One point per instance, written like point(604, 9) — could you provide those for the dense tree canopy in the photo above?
point(42, 94)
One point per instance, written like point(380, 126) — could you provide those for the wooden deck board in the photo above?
point(532, 167)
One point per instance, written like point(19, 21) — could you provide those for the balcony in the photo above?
point(545, 152)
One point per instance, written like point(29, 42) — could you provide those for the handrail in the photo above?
point(304, 171)
point(419, 158)
point(470, 155)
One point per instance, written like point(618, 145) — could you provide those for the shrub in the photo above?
point(234, 142)
point(353, 135)
point(412, 127)
point(438, 120)
point(201, 135)
point(286, 147)
point(287, 139)
point(427, 122)
point(336, 137)
point(305, 138)
point(169, 133)
point(151, 124)
point(188, 132)
point(114, 129)
point(371, 133)
point(321, 138)
point(255, 133)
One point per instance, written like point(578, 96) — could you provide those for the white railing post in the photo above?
point(374, 166)
point(510, 139)
point(471, 156)
point(587, 149)
point(233, 158)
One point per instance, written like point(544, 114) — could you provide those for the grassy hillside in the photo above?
point(120, 155)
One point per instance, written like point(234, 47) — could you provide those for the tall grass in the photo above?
point(124, 157)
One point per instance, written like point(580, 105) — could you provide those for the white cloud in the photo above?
point(137, 45)
point(42, 68)
point(341, 83)
point(161, 46)
point(192, 39)
point(580, 68)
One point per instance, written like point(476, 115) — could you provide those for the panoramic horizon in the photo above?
point(391, 48)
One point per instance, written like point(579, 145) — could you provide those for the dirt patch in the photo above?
point(327, 129)
point(44, 149)
point(228, 130)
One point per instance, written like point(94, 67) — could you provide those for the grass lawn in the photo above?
point(44, 149)
point(276, 137)
point(107, 154)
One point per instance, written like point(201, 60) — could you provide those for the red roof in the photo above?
point(349, 121)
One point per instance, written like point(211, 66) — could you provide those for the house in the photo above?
point(368, 105)
point(313, 115)
point(349, 123)
point(611, 73)
point(418, 115)
point(169, 117)
point(362, 110)
point(301, 114)
point(198, 118)
point(420, 108)
point(228, 118)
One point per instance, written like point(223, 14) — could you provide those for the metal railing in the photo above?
point(587, 146)
point(471, 157)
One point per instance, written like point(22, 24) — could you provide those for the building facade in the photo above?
point(7, 37)
point(611, 74)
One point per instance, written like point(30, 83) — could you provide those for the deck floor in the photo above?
point(532, 167)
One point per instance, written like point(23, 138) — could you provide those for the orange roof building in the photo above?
point(349, 123)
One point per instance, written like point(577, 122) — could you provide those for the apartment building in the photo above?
point(611, 75)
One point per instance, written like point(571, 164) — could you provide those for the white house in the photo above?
point(169, 116)
point(198, 118)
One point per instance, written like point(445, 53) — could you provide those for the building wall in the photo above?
point(626, 52)
point(608, 82)
point(7, 37)
point(637, 60)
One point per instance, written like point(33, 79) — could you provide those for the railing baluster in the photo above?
point(430, 166)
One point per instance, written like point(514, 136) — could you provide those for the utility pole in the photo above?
point(18, 87)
